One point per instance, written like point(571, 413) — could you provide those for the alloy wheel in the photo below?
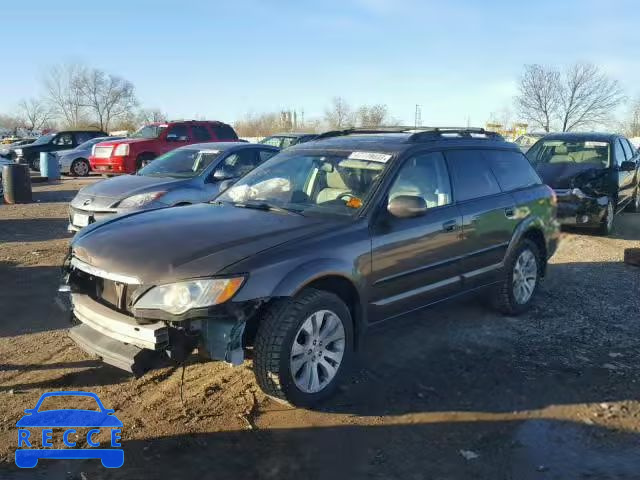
point(317, 351)
point(80, 168)
point(525, 276)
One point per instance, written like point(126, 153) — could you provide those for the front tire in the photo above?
point(521, 279)
point(606, 228)
point(635, 204)
point(80, 168)
point(303, 347)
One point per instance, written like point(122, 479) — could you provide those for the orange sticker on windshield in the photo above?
point(354, 202)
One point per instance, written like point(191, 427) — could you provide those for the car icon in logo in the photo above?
point(27, 454)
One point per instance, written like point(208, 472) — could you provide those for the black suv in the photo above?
point(53, 142)
point(306, 252)
point(595, 176)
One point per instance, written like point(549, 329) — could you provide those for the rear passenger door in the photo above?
point(414, 260)
point(488, 213)
point(620, 176)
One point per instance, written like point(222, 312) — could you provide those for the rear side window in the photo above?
point(266, 155)
point(224, 132)
point(618, 152)
point(511, 169)
point(472, 177)
point(200, 133)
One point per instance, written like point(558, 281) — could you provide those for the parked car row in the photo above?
point(304, 253)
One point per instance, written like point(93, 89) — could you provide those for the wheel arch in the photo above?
point(531, 228)
point(331, 276)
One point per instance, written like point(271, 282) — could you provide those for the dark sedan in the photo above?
point(594, 175)
point(187, 175)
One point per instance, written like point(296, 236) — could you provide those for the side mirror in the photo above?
point(172, 137)
point(628, 166)
point(225, 185)
point(221, 174)
point(407, 206)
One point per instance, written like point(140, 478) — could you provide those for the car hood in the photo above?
point(127, 185)
point(69, 418)
point(187, 242)
point(567, 175)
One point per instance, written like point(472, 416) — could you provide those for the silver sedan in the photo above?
point(187, 175)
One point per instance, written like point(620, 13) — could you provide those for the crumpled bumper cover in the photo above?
point(587, 211)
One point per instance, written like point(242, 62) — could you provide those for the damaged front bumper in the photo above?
point(137, 345)
point(581, 210)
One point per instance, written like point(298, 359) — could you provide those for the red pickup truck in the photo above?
point(130, 154)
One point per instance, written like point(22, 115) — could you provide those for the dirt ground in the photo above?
point(455, 392)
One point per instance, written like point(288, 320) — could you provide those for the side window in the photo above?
point(627, 148)
point(179, 131)
point(265, 155)
point(240, 163)
point(424, 175)
point(287, 142)
point(618, 153)
point(511, 169)
point(82, 137)
point(63, 139)
point(634, 150)
point(472, 177)
point(224, 132)
point(200, 133)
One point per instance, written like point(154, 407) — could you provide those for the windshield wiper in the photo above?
point(267, 207)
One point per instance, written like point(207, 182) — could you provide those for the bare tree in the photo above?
point(587, 97)
point(372, 116)
point(151, 115)
point(539, 95)
point(108, 97)
point(339, 115)
point(65, 94)
point(631, 126)
point(34, 112)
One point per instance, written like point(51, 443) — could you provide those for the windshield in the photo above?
point(44, 139)
point(335, 183)
point(561, 151)
point(149, 131)
point(180, 163)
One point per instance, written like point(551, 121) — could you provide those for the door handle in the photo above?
point(509, 212)
point(450, 226)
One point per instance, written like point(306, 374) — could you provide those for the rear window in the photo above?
point(472, 178)
point(225, 132)
point(511, 169)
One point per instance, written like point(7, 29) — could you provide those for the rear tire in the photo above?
point(79, 168)
point(518, 288)
point(35, 164)
point(303, 347)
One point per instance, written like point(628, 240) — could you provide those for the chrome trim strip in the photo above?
point(98, 272)
point(417, 291)
point(483, 270)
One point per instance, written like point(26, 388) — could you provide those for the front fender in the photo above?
point(301, 276)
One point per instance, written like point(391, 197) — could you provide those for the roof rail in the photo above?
point(464, 132)
point(417, 133)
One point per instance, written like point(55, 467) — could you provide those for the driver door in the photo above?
point(415, 261)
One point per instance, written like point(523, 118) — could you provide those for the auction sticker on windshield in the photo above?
point(49, 432)
point(370, 156)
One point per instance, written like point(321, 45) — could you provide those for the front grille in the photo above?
point(102, 152)
point(115, 295)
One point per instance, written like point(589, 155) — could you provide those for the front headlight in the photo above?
point(178, 298)
point(18, 151)
point(139, 200)
point(121, 150)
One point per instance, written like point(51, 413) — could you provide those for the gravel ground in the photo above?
point(454, 392)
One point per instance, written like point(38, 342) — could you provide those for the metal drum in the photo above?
point(16, 183)
point(49, 166)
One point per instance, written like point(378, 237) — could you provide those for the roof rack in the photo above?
point(417, 133)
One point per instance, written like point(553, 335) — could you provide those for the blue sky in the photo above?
point(220, 60)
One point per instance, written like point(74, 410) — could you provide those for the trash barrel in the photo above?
point(49, 166)
point(16, 183)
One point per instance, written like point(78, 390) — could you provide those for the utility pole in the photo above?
point(418, 116)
